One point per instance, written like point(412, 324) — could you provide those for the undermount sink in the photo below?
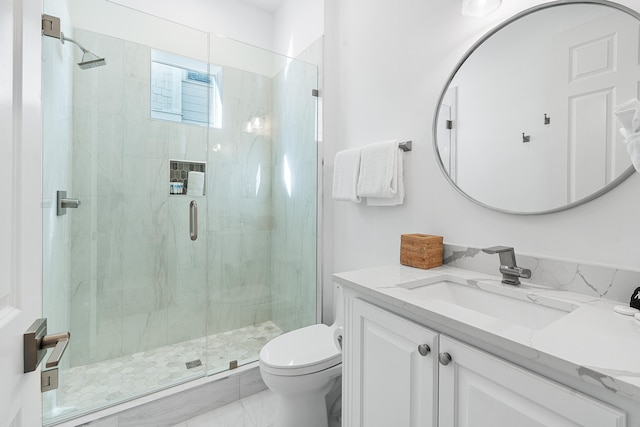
point(503, 302)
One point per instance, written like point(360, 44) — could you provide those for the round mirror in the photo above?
point(526, 123)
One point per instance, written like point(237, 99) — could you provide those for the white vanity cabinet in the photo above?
point(477, 389)
point(391, 369)
point(388, 382)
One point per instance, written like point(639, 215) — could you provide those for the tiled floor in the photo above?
point(257, 410)
point(86, 388)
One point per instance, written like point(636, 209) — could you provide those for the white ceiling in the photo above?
point(266, 5)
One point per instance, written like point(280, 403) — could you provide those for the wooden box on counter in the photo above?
point(421, 250)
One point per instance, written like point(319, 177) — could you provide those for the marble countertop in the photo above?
point(590, 342)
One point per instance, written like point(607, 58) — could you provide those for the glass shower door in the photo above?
point(122, 271)
point(194, 158)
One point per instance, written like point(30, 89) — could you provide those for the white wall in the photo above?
point(229, 18)
point(288, 31)
point(383, 76)
point(161, 33)
point(98, 16)
point(296, 25)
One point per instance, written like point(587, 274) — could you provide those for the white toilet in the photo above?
point(301, 367)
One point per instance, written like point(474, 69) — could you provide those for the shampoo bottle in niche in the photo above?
point(175, 187)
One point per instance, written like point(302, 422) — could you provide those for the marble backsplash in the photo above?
point(599, 281)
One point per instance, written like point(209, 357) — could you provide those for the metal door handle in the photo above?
point(59, 343)
point(36, 343)
point(64, 203)
point(193, 220)
point(70, 203)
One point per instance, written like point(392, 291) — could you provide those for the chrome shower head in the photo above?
point(89, 59)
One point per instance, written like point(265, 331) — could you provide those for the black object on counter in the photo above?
point(635, 299)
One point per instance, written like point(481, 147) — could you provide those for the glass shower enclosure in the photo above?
point(194, 161)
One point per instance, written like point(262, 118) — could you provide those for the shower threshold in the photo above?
point(88, 388)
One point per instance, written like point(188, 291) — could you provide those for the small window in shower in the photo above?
point(185, 90)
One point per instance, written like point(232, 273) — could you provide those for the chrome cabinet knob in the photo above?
point(424, 349)
point(445, 358)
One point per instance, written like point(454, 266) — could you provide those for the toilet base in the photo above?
point(308, 411)
point(302, 400)
point(334, 404)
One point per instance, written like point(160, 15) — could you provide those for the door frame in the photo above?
point(21, 217)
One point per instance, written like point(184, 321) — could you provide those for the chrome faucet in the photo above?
point(511, 273)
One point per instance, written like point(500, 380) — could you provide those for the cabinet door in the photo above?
point(390, 383)
point(477, 389)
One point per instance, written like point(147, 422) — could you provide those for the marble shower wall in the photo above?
point(598, 281)
point(295, 157)
point(239, 204)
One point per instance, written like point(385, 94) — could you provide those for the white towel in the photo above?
point(628, 115)
point(378, 170)
point(633, 148)
point(195, 183)
point(398, 197)
point(346, 169)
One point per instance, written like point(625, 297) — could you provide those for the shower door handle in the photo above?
point(36, 343)
point(64, 203)
point(59, 343)
point(193, 220)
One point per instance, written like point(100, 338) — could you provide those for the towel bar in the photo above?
point(405, 146)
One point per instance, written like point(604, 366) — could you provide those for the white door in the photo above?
point(596, 69)
point(20, 216)
point(393, 384)
point(480, 390)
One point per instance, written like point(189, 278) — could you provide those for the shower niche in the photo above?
point(181, 172)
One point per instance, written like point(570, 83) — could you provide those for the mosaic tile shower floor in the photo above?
point(89, 387)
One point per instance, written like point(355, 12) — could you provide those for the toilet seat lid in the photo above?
point(305, 350)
